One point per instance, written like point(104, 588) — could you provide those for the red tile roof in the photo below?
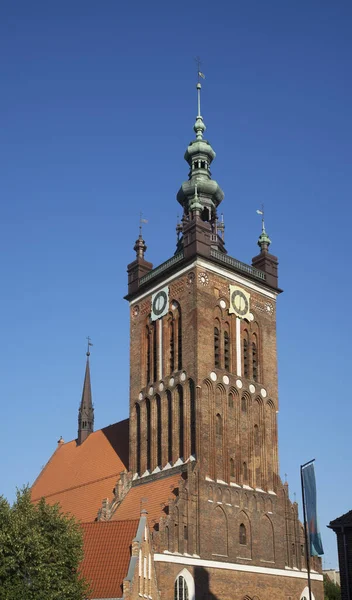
point(107, 552)
point(152, 496)
point(80, 477)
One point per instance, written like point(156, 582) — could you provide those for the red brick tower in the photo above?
point(204, 397)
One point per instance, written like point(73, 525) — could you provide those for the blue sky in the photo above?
point(96, 110)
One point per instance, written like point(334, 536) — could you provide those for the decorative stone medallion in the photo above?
point(239, 383)
point(161, 386)
point(226, 380)
point(172, 381)
point(183, 376)
point(140, 396)
point(151, 390)
point(213, 376)
point(203, 278)
point(251, 388)
point(222, 303)
point(263, 393)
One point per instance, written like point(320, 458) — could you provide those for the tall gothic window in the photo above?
point(245, 358)
point(232, 467)
point(181, 589)
point(245, 472)
point(181, 424)
point(158, 431)
point(193, 416)
point(255, 360)
point(218, 424)
point(243, 535)
point(155, 353)
point(149, 433)
point(138, 438)
point(226, 351)
point(216, 348)
point(179, 339)
point(169, 426)
point(243, 404)
point(172, 344)
point(149, 354)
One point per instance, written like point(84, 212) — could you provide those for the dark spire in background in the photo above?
point(86, 410)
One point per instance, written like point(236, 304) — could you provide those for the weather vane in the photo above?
point(88, 345)
point(141, 221)
point(199, 72)
point(261, 212)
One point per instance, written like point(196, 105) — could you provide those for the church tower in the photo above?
point(203, 346)
point(204, 399)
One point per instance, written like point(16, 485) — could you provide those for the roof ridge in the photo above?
point(74, 487)
point(136, 520)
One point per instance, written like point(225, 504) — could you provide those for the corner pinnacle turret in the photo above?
point(86, 409)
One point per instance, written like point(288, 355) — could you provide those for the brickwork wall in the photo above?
point(219, 584)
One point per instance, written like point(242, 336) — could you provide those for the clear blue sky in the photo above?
point(96, 110)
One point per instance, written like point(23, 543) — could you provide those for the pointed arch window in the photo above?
point(172, 344)
point(216, 348)
point(149, 433)
point(180, 425)
point(226, 351)
point(169, 426)
point(244, 404)
point(155, 353)
point(158, 431)
point(181, 589)
point(245, 472)
point(193, 416)
point(245, 358)
point(179, 339)
point(149, 354)
point(218, 424)
point(255, 360)
point(230, 400)
point(243, 535)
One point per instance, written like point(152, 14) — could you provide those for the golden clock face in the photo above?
point(239, 301)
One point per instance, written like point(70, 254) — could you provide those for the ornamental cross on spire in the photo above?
point(89, 343)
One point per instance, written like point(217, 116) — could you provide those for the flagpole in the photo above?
point(306, 528)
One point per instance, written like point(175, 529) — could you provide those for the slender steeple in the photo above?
point(201, 195)
point(86, 410)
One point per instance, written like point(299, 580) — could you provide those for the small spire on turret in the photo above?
point(264, 240)
point(140, 246)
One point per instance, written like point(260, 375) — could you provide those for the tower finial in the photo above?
point(264, 241)
point(141, 221)
point(89, 343)
point(199, 126)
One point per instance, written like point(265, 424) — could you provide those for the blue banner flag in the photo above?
point(310, 494)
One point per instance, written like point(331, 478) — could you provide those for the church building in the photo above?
point(183, 500)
